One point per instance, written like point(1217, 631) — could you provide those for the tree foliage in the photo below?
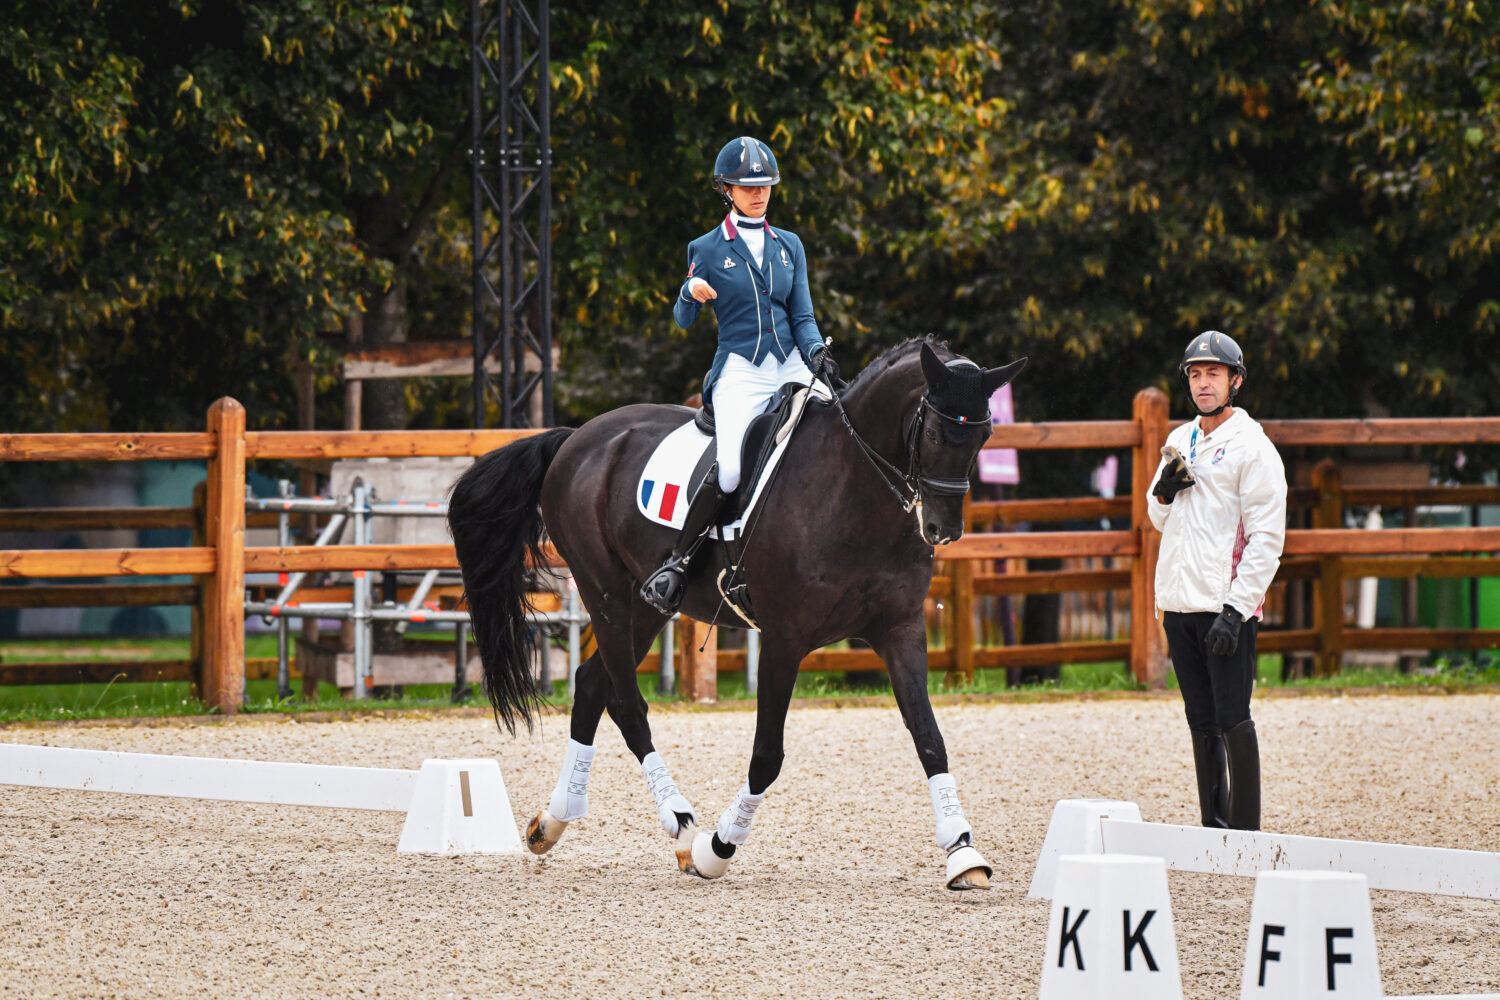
point(198, 197)
point(200, 189)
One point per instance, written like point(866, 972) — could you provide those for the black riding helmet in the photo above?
point(1213, 347)
point(745, 161)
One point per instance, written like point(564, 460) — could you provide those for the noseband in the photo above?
point(909, 487)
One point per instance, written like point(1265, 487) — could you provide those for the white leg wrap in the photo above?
point(946, 812)
point(734, 825)
point(570, 799)
point(669, 801)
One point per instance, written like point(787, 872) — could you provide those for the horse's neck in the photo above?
point(881, 408)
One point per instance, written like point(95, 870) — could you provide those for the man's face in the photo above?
point(1210, 384)
point(751, 201)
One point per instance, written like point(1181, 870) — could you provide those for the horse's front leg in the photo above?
point(904, 650)
point(778, 678)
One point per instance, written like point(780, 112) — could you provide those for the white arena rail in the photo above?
point(451, 806)
point(1108, 826)
point(332, 787)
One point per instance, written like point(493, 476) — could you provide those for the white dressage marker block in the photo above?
point(1311, 935)
point(1399, 867)
point(460, 807)
point(1110, 934)
point(1074, 829)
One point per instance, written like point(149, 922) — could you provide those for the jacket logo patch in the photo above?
point(728, 263)
point(1217, 455)
point(785, 260)
point(690, 269)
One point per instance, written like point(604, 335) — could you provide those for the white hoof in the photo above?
point(967, 869)
point(705, 862)
point(544, 831)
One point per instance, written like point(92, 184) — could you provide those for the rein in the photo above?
point(907, 487)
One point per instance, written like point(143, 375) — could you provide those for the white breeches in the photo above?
point(740, 393)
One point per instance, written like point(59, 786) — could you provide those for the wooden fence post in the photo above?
point(697, 673)
point(200, 604)
point(1148, 643)
point(224, 592)
point(1329, 606)
point(962, 639)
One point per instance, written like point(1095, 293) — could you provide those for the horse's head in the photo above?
point(951, 425)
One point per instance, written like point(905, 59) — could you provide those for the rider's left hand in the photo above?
point(825, 367)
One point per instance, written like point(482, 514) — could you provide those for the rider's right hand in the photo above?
point(702, 290)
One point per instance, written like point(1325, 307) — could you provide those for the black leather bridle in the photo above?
point(909, 487)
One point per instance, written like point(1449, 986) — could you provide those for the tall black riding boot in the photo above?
point(1213, 777)
point(663, 589)
point(1244, 776)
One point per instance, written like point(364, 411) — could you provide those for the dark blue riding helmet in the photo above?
point(745, 161)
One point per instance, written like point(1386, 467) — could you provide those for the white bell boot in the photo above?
point(966, 868)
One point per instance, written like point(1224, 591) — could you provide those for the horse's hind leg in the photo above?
point(624, 629)
point(904, 650)
point(570, 798)
point(627, 707)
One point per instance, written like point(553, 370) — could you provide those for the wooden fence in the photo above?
point(220, 559)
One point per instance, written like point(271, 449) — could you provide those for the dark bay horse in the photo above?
point(842, 548)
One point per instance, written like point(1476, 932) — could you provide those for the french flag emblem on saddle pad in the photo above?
point(663, 494)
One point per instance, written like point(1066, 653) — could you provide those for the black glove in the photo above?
point(1175, 476)
point(1224, 634)
point(825, 368)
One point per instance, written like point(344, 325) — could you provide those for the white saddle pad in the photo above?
point(663, 492)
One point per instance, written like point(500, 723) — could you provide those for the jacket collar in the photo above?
point(1237, 422)
point(729, 231)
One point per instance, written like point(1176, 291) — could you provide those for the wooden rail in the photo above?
point(1327, 554)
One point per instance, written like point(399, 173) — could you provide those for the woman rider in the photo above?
point(756, 277)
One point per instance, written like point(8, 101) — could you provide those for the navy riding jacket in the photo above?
point(761, 310)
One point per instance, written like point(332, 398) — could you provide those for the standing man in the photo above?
point(1219, 500)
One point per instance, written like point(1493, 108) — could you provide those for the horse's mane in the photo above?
point(895, 356)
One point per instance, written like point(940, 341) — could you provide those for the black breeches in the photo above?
point(1215, 689)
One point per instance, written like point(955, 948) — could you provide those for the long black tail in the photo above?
point(496, 520)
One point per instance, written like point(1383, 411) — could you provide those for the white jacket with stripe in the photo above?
point(1221, 537)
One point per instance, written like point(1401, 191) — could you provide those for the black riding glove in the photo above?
point(1175, 476)
point(1224, 634)
point(825, 368)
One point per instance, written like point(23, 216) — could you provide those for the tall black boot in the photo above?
point(664, 588)
point(1213, 777)
point(1244, 776)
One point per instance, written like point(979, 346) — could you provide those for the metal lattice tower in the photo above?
point(511, 167)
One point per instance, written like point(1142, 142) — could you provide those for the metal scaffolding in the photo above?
point(511, 170)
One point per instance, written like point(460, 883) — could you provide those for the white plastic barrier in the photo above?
point(1092, 826)
point(452, 806)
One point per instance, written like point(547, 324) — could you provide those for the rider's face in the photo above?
point(751, 201)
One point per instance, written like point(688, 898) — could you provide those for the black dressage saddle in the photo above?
point(760, 442)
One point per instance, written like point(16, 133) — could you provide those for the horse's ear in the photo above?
point(994, 378)
point(933, 368)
